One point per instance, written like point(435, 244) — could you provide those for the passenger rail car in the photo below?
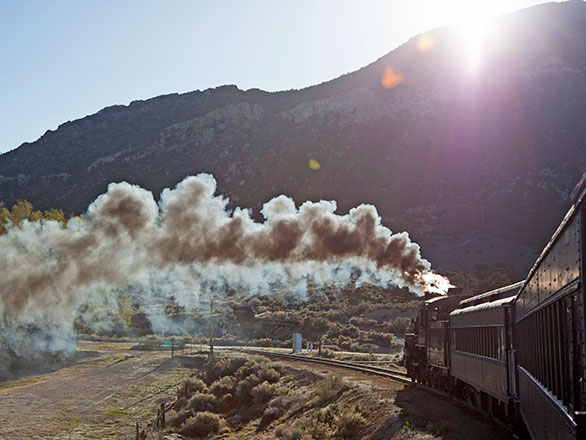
point(550, 330)
point(481, 351)
point(519, 352)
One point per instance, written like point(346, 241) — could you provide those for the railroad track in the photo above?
point(397, 375)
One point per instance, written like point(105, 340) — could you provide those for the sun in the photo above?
point(474, 25)
point(473, 34)
point(474, 28)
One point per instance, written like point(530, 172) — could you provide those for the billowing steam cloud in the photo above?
point(190, 242)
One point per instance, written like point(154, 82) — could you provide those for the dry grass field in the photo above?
point(102, 396)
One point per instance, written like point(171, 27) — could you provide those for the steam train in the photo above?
point(517, 353)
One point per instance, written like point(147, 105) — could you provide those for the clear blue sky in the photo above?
point(64, 59)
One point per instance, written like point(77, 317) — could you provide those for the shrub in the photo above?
point(268, 374)
point(181, 403)
point(329, 388)
point(289, 433)
point(282, 401)
point(227, 402)
point(264, 342)
point(327, 353)
point(350, 331)
point(382, 339)
point(203, 402)
point(322, 422)
point(224, 385)
point(398, 325)
point(270, 414)
point(230, 365)
point(278, 367)
point(248, 368)
point(244, 387)
point(344, 342)
point(320, 431)
point(363, 322)
point(202, 424)
point(263, 392)
point(349, 422)
point(190, 386)
point(177, 419)
point(220, 367)
point(336, 422)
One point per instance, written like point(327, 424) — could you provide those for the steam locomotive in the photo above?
point(517, 353)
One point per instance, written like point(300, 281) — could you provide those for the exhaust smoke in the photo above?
point(186, 244)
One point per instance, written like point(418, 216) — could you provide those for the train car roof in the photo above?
point(455, 299)
point(578, 188)
point(577, 196)
point(501, 292)
point(499, 303)
point(435, 298)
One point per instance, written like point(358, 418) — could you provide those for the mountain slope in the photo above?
point(477, 166)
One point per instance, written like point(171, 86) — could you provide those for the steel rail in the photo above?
point(384, 372)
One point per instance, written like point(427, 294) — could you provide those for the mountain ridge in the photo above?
point(451, 156)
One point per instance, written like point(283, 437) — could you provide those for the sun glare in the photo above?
point(473, 29)
point(473, 35)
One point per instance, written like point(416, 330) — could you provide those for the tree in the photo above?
point(23, 210)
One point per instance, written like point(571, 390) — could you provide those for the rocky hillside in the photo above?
point(476, 165)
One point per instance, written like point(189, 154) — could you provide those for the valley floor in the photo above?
point(112, 387)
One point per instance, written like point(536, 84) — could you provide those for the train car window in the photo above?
point(500, 348)
point(481, 341)
point(476, 348)
point(541, 346)
point(494, 343)
point(546, 349)
point(553, 351)
point(484, 341)
point(560, 349)
point(549, 352)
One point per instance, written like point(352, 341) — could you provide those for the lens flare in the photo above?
point(391, 78)
point(314, 164)
point(425, 43)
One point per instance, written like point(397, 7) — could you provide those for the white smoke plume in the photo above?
point(188, 243)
